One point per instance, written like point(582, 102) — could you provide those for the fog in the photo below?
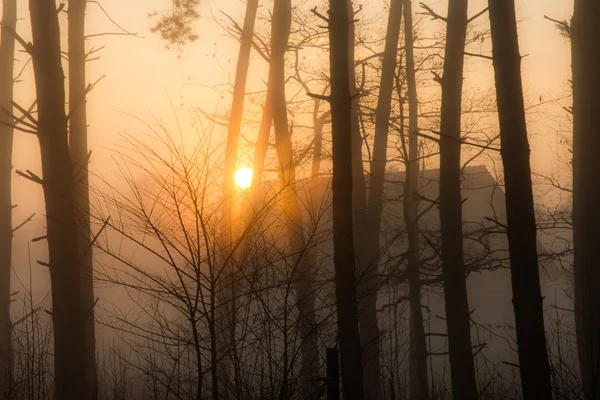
point(199, 286)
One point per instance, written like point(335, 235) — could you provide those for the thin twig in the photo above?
point(31, 176)
point(478, 55)
point(22, 224)
point(318, 14)
point(113, 21)
point(432, 13)
point(479, 14)
point(26, 113)
point(27, 46)
point(319, 96)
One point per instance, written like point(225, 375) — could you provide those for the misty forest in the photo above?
point(299, 199)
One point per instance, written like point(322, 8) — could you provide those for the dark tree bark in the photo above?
point(359, 184)
point(305, 300)
point(419, 383)
point(226, 314)
point(462, 367)
point(369, 254)
point(343, 248)
point(522, 231)
point(237, 111)
point(260, 150)
point(586, 191)
point(79, 154)
point(7, 55)
point(359, 188)
point(68, 314)
point(309, 332)
point(280, 32)
point(319, 122)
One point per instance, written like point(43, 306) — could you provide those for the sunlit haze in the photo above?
point(201, 286)
point(243, 177)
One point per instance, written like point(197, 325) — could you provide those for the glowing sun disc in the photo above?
point(243, 178)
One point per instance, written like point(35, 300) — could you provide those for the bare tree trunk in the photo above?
point(68, 317)
point(309, 330)
point(359, 185)
point(343, 248)
point(359, 196)
point(419, 383)
point(464, 385)
point(79, 154)
point(226, 312)
point(586, 192)
point(319, 123)
point(522, 231)
point(305, 299)
point(214, 336)
point(370, 251)
point(7, 55)
point(260, 150)
point(237, 111)
point(366, 300)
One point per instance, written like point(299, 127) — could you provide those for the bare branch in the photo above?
point(318, 14)
point(23, 318)
point(27, 46)
point(496, 222)
point(31, 176)
point(93, 35)
point(319, 96)
point(464, 141)
point(26, 113)
point(14, 126)
point(478, 55)
point(93, 50)
point(430, 12)
point(88, 89)
point(16, 78)
point(479, 14)
point(563, 26)
point(113, 21)
point(22, 224)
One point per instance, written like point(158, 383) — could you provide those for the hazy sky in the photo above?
point(142, 77)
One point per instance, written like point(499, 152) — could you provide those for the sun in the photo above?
point(243, 177)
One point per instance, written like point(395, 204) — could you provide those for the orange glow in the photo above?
point(243, 178)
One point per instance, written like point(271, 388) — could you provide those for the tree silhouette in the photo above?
point(343, 248)
point(534, 367)
point(462, 366)
point(7, 55)
point(69, 316)
point(78, 144)
point(585, 39)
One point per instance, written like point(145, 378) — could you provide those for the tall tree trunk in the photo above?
point(319, 122)
point(79, 154)
point(7, 55)
point(522, 232)
point(343, 248)
point(237, 111)
point(305, 299)
point(68, 317)
point(370, 251)
point(226, 315)
point(260, 150)
point(586, 192)
point(462, 367)
point(359, 184)
point(366, 300)
point(419, 384)
point(307, 295)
